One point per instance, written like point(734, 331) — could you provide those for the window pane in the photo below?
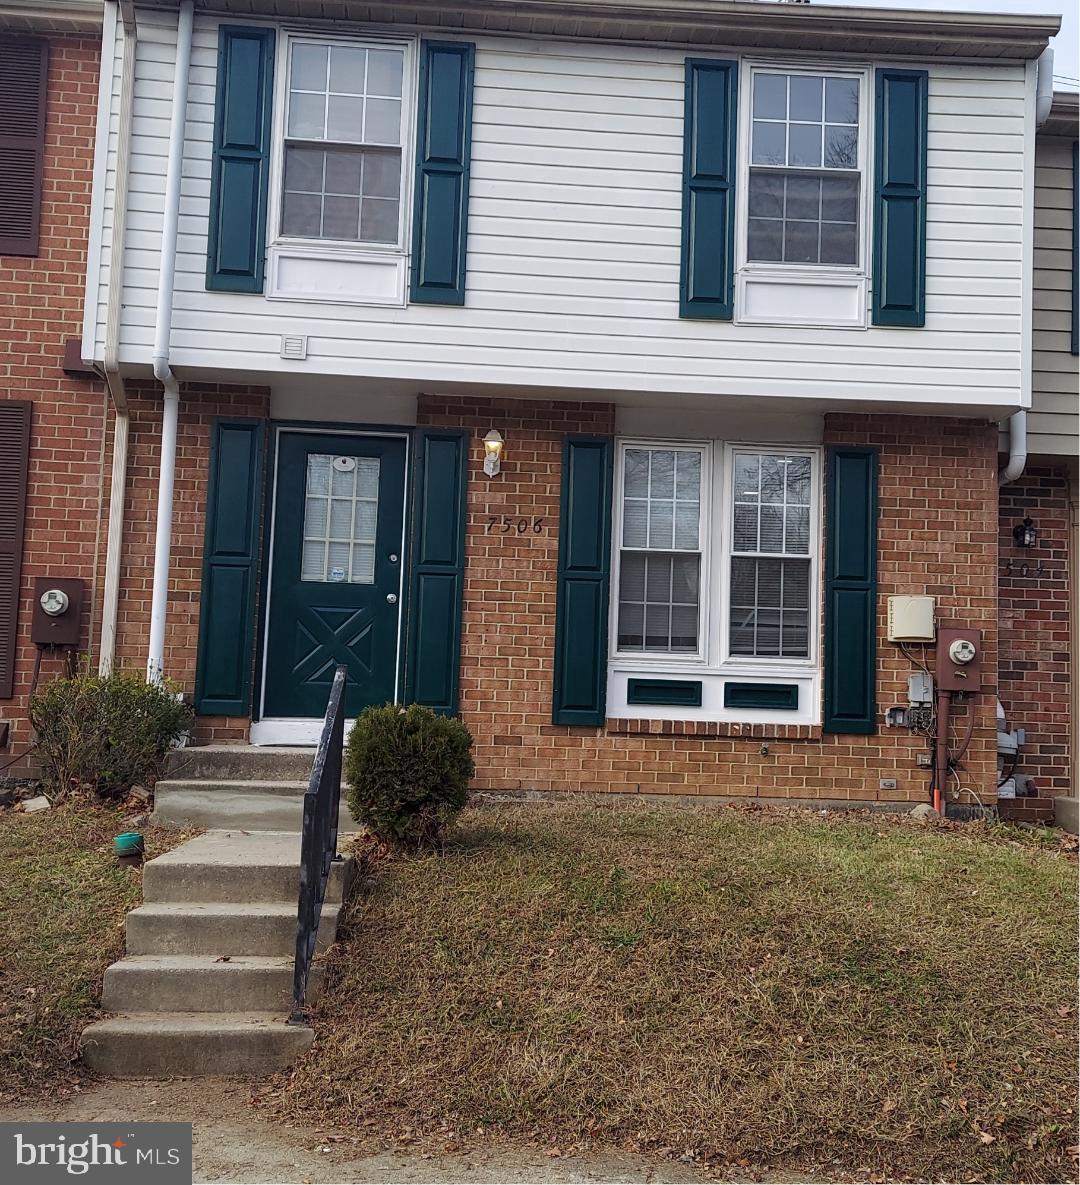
point(382, 123)
point(804, 145)
point(632, 577)
point(842, 100)
point(770, 96)
point(765, 240)
point(769, 144)
point(382, 174)
point(688, 476)
point(766, 195)
point(636, 473)
point(797, 530)
point(769, 607)
point(301, 214)
point(657, 627)
point(684, 628)
point(806, 98)
point(308, 67)
point(341, 216)
point(347, 69)
point(631, 626)
point(841, 147)
point(307, 116)
point(800, 242)
point(345, 118)
point(304, 169)
point(661, 523)
point(772, 478)
point(687, 515)
point(840, 199)
point(684, 579)
point(384, 73)
point(772, 529)
point(635, 522)
point(796, 584)
point(747, 467)
point(658, 579)
point(341, 516)
point(379, 221)
point(798, 481)
point(803, 198)
point(839, 243)
point(343, 172)
point(662, 474)
point(746, 528)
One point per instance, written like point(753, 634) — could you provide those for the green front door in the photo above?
point(336, 574)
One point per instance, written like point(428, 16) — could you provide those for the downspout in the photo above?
point(1018, 445)
point(159, 597)
point(118, 480)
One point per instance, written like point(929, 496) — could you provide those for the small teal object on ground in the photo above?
point(128, 843)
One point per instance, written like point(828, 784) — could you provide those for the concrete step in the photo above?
point(202, 983)
point(269, 763)
point(217, 928)
point(236, 805)
point(146, 1045)
point(252, 867)
point(1067, 814)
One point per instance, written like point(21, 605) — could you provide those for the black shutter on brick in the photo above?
point(14, 468)
point(24, 65)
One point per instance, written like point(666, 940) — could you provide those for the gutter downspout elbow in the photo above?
point(159, 597)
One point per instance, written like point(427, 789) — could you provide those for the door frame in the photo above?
point(304, 730)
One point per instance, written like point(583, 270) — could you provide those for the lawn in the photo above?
point(767, 989)
point(65, 897)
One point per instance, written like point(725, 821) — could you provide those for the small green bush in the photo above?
point(407, 772)
point(105, 732)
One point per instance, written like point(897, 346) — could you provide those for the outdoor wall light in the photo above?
point(1025, 534)
point(493, 447)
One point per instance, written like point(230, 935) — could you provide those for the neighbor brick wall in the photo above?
point(41, 303)
point(1034, 623)
point(938, 534)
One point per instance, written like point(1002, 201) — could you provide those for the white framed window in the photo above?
point(341, 176)
point(661, 540)
point(804, 180)
point(715, 556)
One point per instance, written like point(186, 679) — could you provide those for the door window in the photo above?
point(341, 502)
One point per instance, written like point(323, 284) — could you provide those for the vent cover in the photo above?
point(294, 346)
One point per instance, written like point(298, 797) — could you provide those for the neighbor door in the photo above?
point(336, 572)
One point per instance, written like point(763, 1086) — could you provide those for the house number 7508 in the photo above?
point(514, 526)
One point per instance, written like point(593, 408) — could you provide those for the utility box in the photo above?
point(959, 660)
point(58, 605)
point(911, 619)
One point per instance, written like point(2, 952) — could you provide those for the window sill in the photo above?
point(717, 729)
point(323, 274)
point(801, 297)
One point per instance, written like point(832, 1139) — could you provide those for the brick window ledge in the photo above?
point(715, 728)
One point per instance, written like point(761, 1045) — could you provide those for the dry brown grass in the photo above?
point(784, 990)
point(65, 897)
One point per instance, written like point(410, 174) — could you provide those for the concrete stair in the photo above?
point(206, 985)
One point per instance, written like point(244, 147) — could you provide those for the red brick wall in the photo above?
point(1034, 623)
point(41, 302)
point(938, 535)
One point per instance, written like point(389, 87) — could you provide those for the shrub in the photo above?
point(407, 772)
point(105, 732)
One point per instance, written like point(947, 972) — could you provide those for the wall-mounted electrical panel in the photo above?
point(920, 689)
point(911, 619)
point(58, 605)
point(959, 660)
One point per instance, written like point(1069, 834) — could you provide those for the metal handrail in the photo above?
point(318, 845)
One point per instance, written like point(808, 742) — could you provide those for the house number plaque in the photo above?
point(508, 525)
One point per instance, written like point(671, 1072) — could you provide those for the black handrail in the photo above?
point(318, 845)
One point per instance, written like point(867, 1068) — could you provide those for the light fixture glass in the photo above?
point(493, 447)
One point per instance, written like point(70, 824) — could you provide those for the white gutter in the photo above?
point(1018, 444)
point(159, 597)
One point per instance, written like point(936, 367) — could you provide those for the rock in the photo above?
point(924, 812)
point(134, 822)
point(33, 805)
point(139, 794)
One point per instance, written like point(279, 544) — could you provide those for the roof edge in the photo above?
point(58, 16)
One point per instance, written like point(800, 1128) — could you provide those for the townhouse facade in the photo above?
point(626, 380)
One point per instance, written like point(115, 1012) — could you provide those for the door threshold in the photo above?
point(302, 731)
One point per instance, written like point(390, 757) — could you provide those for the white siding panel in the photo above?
point(573, 253)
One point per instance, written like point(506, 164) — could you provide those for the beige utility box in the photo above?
point(911, 619)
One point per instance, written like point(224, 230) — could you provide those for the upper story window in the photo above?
point(803, 203)
point(343, 159)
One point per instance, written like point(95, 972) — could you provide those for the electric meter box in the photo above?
point(58, 605)
point(911, 619)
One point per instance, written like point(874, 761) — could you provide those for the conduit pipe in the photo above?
point(159, 597)
point(1018, 446)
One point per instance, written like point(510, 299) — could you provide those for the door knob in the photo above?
point(391, 598)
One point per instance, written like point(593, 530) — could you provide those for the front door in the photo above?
point(336, 572)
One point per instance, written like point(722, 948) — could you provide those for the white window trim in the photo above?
point(652, 657)
point(831, 275)
point(726, 538)
point(297, 247)
point(714, 655)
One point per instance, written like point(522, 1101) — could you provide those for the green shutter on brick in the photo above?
point(851, 590)
point(899, 262)
point(444, 145)
point(437, 578)
point(581, 608)
point(707, 280)
point(240, 176)
point(230, 568)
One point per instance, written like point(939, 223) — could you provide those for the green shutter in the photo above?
point(899, 283)
point(437, 579)
point(241, 170)
point(706, 286)
point(851, 591)
point(230, 568)
point(581, 608)
point(444, 141)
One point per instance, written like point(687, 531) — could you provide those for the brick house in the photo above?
point(601, 377)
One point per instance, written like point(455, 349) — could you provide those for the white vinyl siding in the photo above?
point(1054, 421)
point(573, 250)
